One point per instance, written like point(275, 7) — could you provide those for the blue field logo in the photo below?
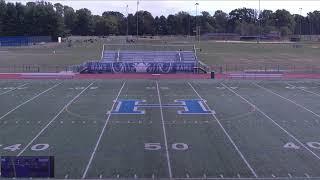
point(184, 106)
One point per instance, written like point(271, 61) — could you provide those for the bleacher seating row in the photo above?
point(148, 56)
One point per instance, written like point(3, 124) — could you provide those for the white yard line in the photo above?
point(293, 102)
point(54, 118)
point(101, 134)
point(25, 102)
point(303, 89)
point(13, 89)
point(164, 133)
point(273, 121)
point(226, 133)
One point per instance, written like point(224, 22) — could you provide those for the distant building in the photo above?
point(23, 40)
point(273, 35)
point(220, 36)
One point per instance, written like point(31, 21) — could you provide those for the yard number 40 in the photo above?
point(157, 146)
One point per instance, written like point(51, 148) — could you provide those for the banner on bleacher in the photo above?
point(142, 67)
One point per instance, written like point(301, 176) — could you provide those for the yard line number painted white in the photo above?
point(54, 118)
point(34, 97)
point(293, 102)
point(226, 133)
point(101, 134)
point(5, 92)
point(164, 132)
point(274, 122)
point(36, 147)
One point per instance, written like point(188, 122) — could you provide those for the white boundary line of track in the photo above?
point(303, 89)
point(13, 89)
point(273, 121)
point(25, 102)
point(226, 133)
point(293, 102)
point(164, 132)
point(101, 134)
point(54, 118)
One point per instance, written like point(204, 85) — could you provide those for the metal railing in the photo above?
point(281, 68)
point(34, 68)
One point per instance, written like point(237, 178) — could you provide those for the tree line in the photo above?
point(44, 18)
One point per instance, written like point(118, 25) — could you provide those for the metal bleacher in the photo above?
point(148, 56)
point(138, 61)
point(109, 56)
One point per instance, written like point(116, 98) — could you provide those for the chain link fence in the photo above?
point(34, 68)
point(281, 68)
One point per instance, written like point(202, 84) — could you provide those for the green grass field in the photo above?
point(260, 129)
point(236, 55)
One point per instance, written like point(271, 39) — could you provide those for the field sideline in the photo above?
point(181, 129)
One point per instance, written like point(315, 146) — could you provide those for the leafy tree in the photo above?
point(69, 19)
point(3, 11)
point(84, 22)
point(220, 21)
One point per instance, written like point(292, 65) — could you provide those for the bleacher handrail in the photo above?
point(102, 53)
point(118, 55)
point(179, 56)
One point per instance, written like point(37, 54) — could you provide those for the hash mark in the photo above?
point(307, 175)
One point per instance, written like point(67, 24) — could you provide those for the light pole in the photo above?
point(300, 22)
point(197, 29)
point(137, 19)
point(127, 21)
point(259, 21)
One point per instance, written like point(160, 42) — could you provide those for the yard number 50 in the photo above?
point(157, 146)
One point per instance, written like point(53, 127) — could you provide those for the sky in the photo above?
point(165, 7)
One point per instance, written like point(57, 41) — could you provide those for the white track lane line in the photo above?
point(164, 133)
point(101, 134)
point(54, 118)
point(13, 89)
point(226, 133)
point(34, 97)
point(303, 89)
point(293, 102)
point(273, 121)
